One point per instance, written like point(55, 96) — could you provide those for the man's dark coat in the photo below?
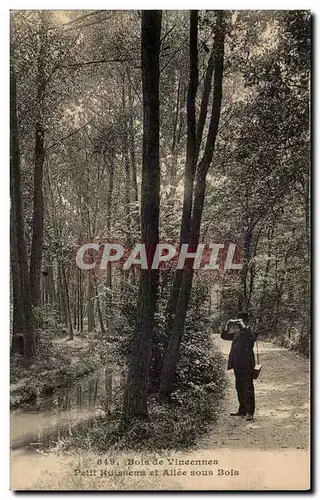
point(241, 353)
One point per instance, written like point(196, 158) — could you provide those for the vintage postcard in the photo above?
point(160, 250)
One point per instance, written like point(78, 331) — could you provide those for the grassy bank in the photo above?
point(194, 406)
point(60, 362)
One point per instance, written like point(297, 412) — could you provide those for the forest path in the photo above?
point(270, 453)
point(282, 404)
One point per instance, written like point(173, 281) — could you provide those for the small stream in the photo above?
point(46, 417)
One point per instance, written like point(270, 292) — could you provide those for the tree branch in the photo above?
point(98, 61)
point(67, 137)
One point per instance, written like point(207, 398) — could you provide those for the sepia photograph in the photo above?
point(160, 310)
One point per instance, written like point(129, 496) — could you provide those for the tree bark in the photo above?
point(135, 400)
point(190, 159)
point(100, 316)
point(67, 301)
point(48, 283)
point(15, 170)
point(90, 303)
point(133, 156)
point(205, 101)
point(38, 207)
point(17, 312)
point(127, 179)
point(110, 166)
point(191, 129)
point(172, 351)
point(80, 324)
point(61, 297)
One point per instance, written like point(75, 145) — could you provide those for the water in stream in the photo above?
point(46, 416)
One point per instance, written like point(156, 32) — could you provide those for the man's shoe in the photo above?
point(237, 414)
point(249, 418)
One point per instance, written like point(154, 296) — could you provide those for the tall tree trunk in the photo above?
point(67, 301)
point(90, 302)
point(80, 302)
point(17, 312)
point(100, 316)
point(58, 292)
point(15, 170)
point(61, 297)
point(51, 285)
point(38, 208)
point(173, 166)
point(48, 283)
point(75, 300)
point(78, 299)
point(127, 179)
point(108, 298)
point(172, 351)
point(190, 160)
point(133, 155)
point(135, 400)
point(191, 130)
point(205, 101)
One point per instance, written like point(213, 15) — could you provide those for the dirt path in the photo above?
point(270, 453)
point(282, 404)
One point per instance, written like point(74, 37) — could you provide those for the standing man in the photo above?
point(241, 360)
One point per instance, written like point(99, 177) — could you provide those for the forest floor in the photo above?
point(272, 452)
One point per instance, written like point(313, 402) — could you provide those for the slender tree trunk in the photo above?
point(108, 298)
point(100, 316)
point(15, 170)
point(127, 180)
point(78, 299)
point(190, 160)
point(270, 233)
point(172, 177)
point(51, 286)
point(133, 157)
point(90, 304)
point(175, 130)
point(110, 167)
point(205, 101)
point(17, 312)
point(176, 333)
point(38, 208)
point(80, 302)
point(75, 300)
point(127, 185)
point(61, 296)
point(59, 291)
point(67, 301)
point(135, 400)
point(191, 129)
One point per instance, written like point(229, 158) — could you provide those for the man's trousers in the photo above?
point(245, 390)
